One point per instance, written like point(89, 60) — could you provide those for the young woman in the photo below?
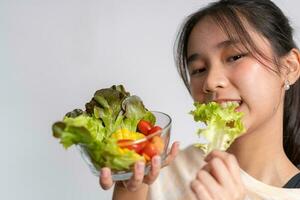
point(242, 51)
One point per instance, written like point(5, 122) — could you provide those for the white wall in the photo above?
point(55, 53)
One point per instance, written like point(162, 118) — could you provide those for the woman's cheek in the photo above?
point(244, 74)
point(257, 88)
point(251, 79)
point(245, 79)
point(196, 87)
point(256, 81)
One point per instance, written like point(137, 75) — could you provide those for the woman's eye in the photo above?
point(197, 71)
point(235, 57)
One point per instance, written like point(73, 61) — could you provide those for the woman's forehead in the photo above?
point(207, 28)
point(207, 33)
point(207, 37)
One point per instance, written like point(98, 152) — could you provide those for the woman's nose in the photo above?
point(216, 79)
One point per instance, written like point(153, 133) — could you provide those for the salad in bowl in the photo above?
point(115, 130)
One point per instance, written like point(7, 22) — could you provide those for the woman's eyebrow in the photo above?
point(221, 45)
point(192, 58)
point(227, 43)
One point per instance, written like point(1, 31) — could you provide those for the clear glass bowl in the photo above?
point(163, 120)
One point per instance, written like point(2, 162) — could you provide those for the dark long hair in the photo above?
point(267, 19)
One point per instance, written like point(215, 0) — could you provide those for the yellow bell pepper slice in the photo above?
point(124, 134)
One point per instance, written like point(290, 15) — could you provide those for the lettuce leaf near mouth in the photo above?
point(223, 124)
point(109, 110)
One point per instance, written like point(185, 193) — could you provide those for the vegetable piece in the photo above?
point(134, 112)
point(126, 134)
point(223, 124)
point(154, 130)
point(154, 147)
point(159, 143)
point(144, 127)
point(117, 158)
point(150, 150)
point(147, 158)
point(125, 142)
point(106, 105)
point(128, 144)
point(81, 129)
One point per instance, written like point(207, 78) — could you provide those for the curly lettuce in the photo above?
point(223, 124)
point(109, 110)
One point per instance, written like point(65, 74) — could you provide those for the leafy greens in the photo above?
point(109, 110)
point(223, 124)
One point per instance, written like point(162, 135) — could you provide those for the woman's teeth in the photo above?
point(228, 103)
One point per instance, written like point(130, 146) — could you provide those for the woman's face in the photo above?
point(222, 70)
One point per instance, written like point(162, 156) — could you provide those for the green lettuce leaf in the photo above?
point(223, 125)
point(82, 129)
point(116, 158)
point(134, 111)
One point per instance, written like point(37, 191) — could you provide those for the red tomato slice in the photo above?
point(124, 142)
point(144, 127)
point(128, 144)
point(154, 129)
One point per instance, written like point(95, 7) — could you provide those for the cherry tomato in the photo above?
point(154, 146)
point(154, 129)
point(150, 150)
point(144, 127)
point(158, 143)
point(128, 145)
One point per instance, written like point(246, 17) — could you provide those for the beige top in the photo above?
point(174, 181)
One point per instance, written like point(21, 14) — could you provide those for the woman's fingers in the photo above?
point(200, 191)
point(172, 154)
point(230, 162)
point(224, 169)
point(105, 180)
point(137, 178)
point(209, 183)
point(219, 171)
point(155, 167)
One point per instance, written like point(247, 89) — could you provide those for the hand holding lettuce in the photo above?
point(223, 124)
point(109, 111)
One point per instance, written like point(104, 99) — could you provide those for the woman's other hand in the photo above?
point(219, 179)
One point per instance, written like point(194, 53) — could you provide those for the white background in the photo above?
point(55, 53)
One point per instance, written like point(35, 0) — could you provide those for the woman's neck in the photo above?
point(262, 156)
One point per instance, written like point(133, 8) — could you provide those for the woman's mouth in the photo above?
point(238, 109)
point(226, 102)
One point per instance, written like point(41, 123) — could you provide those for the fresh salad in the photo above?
point(223, 124)
point(109, 128)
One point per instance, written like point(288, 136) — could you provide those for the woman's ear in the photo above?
point(292, 63)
